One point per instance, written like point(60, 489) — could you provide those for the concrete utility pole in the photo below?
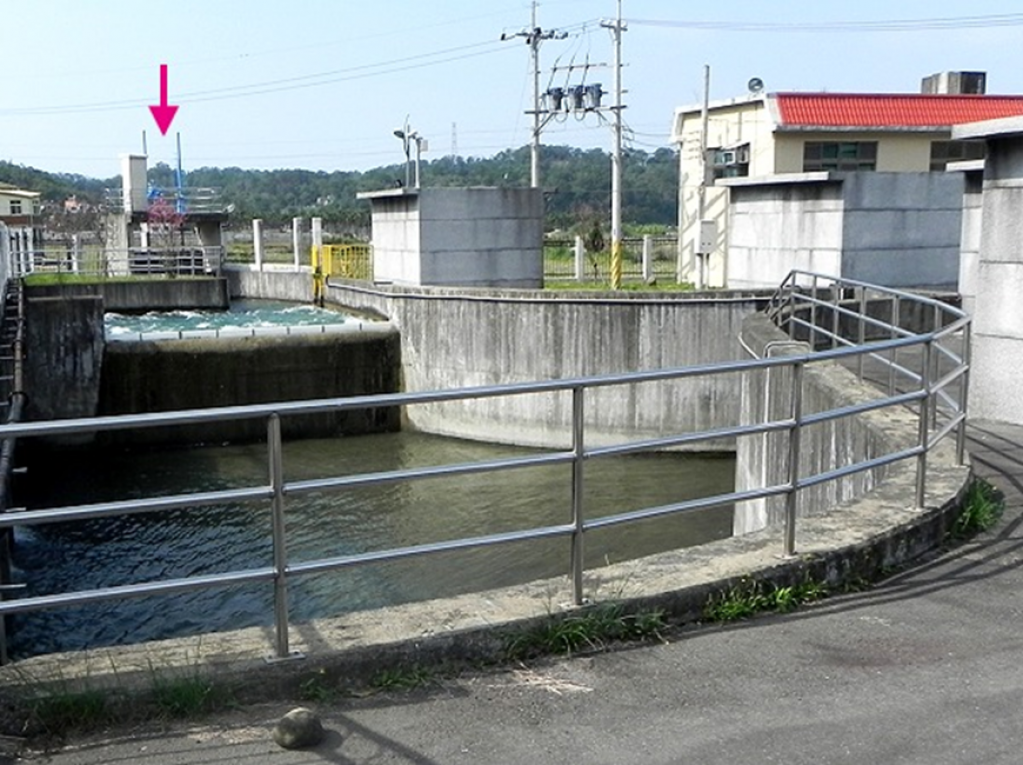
point(534, 36)
point(701, 208)
point(616, 27)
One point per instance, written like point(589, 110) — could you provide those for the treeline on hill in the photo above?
point(577, 186)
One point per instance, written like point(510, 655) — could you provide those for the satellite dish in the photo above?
point(755, 85)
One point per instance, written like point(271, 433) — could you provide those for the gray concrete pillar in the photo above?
point(997, 332)
point(317, 226)
point(580, 259)
point(76, 252)
point(648, 261)
point(296, 241)
point(257, 242)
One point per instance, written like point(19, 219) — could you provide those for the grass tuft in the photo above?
point(402, 678)
point(982, 507)
point(750, 597)
point(590, 629)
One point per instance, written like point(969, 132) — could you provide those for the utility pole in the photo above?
point(533, 37)
point(616, 27)
point(701, 203)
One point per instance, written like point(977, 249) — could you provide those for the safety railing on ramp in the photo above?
point(823, 310)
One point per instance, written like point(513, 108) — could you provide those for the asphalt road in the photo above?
point(926, 667)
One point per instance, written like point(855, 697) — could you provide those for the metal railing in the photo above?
point(96, 260)
point(559, 260)
point(791, 307)
point(188, 200)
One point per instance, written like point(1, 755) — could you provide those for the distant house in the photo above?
point(816, 138)
point(20, 213)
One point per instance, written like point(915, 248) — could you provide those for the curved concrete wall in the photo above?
point(461, 338)
point(193, 374)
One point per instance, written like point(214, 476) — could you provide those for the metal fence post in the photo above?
point(795, 435)
point(893, 354)
point(280, 552)
point(578, 520)
point(862, 334)
point(964, 396)
point(925, 404)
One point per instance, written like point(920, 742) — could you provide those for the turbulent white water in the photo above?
point(243, 316)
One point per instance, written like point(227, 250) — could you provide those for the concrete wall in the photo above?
point(139, 296)
point(785, 224)
point(762, 460)
point(902, 229)
point(891, 229)
point(969, 247)
point(453, 339)
point(472, 237)
point(191, 374)
point(997, 281)
point(64, 358)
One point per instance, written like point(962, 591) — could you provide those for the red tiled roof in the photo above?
point(871, 110)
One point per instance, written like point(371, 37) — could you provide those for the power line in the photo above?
point(893, 25)
point(273, 86)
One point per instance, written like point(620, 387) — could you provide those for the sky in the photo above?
point(323, 84)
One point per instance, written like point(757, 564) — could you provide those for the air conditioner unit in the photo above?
point(725, 157)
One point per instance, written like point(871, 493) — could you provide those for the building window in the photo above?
point(15, 207)
point(834, 155)
point(943, 152)
point(731, 162)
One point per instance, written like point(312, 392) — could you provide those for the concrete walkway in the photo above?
point(924, 668)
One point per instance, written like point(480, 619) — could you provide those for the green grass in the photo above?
point(189, 696)
point(982, 507)
point(593, 628)
point(750, 597)
point(401, 678)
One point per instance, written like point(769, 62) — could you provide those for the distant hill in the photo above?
point(577, 182)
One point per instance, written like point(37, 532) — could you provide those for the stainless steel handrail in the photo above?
point(926, 392)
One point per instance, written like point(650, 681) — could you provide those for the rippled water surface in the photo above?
point(220, 538)
point(244, 314)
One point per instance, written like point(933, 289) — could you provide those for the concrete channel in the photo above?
point(875, 529)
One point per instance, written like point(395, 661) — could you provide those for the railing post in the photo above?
point(578, 448)
point(893, 354)
point(964, 396)
point(836, 300)
point(936, 367)
point(861, 336)
point(925, 404)
point(812, 333)
point(280, 552)
point(795, 435)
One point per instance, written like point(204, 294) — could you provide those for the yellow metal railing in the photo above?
point(348, 261)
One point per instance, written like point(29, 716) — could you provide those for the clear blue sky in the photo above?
point(322, 84)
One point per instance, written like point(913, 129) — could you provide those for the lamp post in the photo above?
point(408, 137)
point(406, 140)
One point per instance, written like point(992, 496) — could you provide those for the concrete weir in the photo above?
point(73, 372)
point(519, 335)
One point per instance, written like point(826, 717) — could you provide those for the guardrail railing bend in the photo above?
point(874, 330)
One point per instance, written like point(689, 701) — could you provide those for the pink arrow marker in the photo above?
point(164, 113)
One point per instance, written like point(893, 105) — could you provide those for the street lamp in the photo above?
point(408, 137)
point(406, 140)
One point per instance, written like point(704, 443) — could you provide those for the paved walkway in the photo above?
point(925, 668)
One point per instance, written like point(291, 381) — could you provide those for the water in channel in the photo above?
point(221, 538)
point(242, 315)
